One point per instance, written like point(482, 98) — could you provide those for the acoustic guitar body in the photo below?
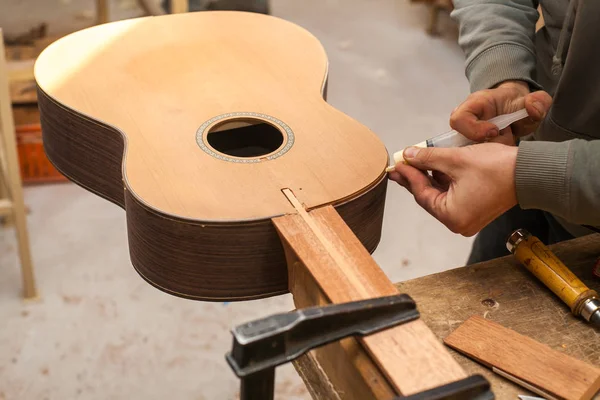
point(195, 124)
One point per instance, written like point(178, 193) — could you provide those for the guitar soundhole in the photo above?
point(245, 138)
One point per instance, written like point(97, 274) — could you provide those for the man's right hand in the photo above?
point(470, 118)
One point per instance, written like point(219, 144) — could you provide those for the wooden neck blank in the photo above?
point(328, 264)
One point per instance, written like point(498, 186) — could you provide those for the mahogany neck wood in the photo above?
point(328, 264)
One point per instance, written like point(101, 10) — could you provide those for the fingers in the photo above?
point(396, 177)
point(470, 118)
point(422, 189)
point(537, 105)
point(470, 186)
point(433, 158)
point(400, 179)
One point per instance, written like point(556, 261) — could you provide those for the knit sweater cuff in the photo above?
point(541, 176)
point(499, 63)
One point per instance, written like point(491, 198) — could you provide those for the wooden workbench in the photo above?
point(505, 292)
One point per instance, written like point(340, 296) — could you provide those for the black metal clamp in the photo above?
point(261, 345)
point(474, 387)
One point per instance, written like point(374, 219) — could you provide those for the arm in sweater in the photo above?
point(497, 37)
point(561, 178)
point(560, 171)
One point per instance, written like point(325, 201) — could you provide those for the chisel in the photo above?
point(541, 262)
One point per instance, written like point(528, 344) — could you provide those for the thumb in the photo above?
point(432, 158)
point(537, 104)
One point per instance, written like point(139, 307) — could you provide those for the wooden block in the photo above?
point(319, 385)
point(535, 363)
point(347, 366)
point(409, 355)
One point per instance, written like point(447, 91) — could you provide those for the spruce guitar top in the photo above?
point(239, 180)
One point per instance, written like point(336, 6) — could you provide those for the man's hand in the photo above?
point(470, 118)
point(477, 183)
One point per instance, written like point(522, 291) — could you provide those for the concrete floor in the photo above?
point(100, 332)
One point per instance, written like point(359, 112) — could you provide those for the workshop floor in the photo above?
point(100, 332)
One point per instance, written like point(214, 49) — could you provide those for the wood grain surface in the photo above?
point(409, 355)
point(554, 372)
point(503, 291)
point(121, 105)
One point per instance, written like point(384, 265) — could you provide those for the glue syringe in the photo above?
point(454, 139)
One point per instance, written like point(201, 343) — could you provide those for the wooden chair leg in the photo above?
point(6, 221)
point(15, 188)
point(28, 276)
point(151, 7)
point(179, 6)
point(101, 11)
point(434, 10)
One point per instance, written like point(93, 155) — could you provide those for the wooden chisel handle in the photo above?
point(541, 262)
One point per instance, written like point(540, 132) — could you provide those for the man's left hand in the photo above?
point(475, 184)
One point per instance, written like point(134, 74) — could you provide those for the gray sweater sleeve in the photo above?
point(559, 171)
point(561, 178)
point(497, 37)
